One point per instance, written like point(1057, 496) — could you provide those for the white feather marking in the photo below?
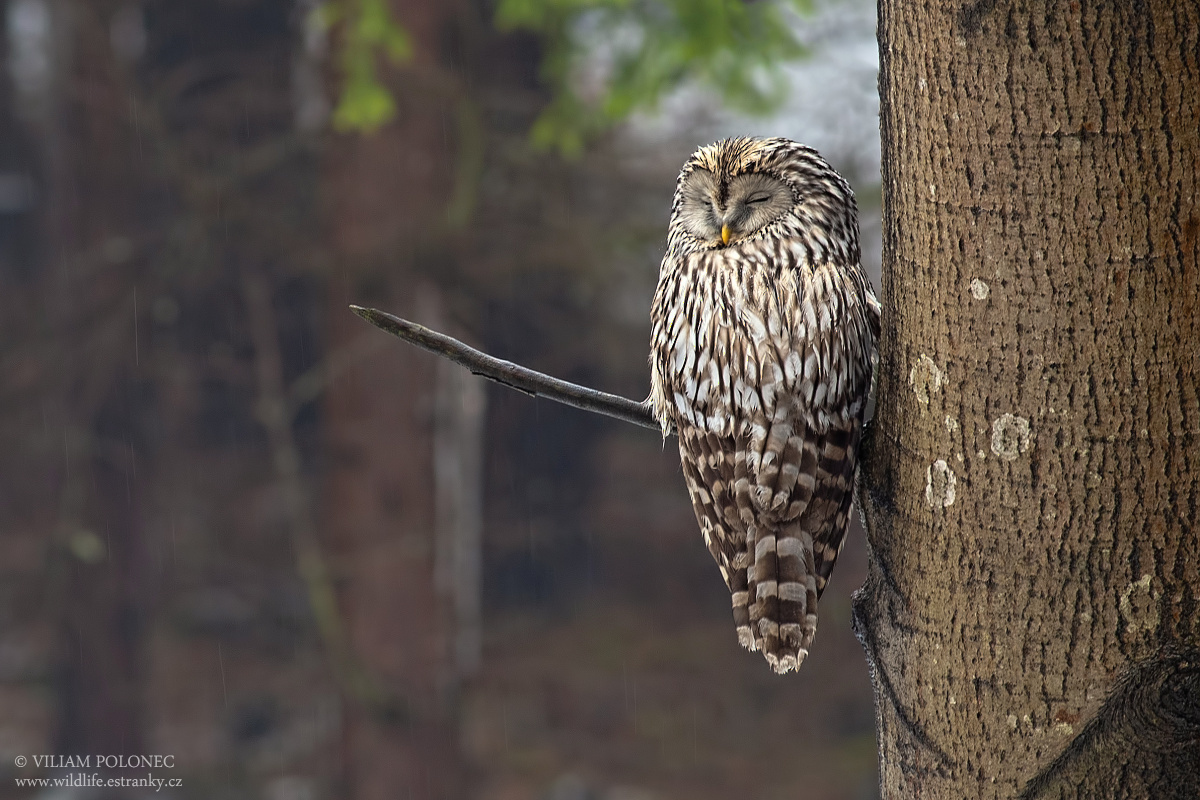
point(795, 592)
point(684, 408)
point(746, 638)
point(774, 325)
point(812, 366)
point(766, 589)
point(767, 392)
point(789, 546)
point(764, 546)
point(679, 358)
point(755, 326)
point(750, 368)
point(810, 316)
point(792, 367)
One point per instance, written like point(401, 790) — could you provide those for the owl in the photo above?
point(764, 331)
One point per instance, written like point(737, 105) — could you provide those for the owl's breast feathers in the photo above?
point(750, 332)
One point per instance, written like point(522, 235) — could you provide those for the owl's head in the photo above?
point(741, 189)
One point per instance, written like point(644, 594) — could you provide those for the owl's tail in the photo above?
point(781, 617)
point(793, 556)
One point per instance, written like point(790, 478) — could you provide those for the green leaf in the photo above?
point(376, 27)
point(369, 31)
point(734, 47)
point(364, 106)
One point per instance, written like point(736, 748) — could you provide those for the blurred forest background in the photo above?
point(241, 527)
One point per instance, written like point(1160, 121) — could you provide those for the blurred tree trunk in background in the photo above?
point(91, 215)
point(1033, 485)
point(385, 200)
point(394, 201)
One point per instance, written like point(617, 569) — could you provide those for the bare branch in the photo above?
point(512, 375)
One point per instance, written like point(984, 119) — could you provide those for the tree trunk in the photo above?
point(90, 287)
point(379, 512)
point(386, 198)
point(1033, 480)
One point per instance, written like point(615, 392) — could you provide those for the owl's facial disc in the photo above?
point(724, 210)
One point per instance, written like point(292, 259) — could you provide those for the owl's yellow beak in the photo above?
point(725, 234)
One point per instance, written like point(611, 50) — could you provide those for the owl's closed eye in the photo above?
point(720, 210)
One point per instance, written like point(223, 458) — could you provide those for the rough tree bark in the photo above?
point(1033, 480)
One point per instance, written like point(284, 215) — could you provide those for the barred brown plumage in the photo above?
point(764, 331)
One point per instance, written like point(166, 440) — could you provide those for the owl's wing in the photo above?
point(803, 416)
point(803, 426)
point(716, 476)
point(827, 515)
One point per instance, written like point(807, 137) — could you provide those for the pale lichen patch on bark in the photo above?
point(1010, 436)
point(979, 289)
point(940, 484)
point(925, 378)
point(1139, 604)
